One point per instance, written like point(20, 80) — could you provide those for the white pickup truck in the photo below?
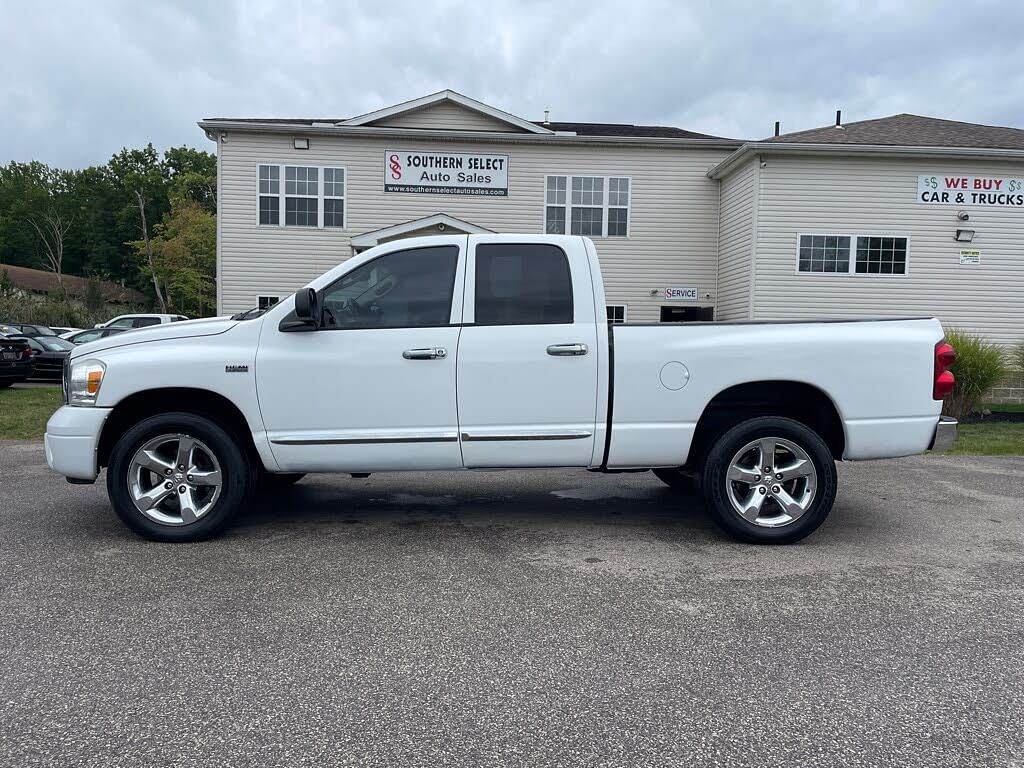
point(484, 352)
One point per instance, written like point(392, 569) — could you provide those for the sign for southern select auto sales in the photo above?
point(445, 173)
point(992, 191)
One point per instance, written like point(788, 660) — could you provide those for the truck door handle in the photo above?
point(430, 353)
point(562, 350)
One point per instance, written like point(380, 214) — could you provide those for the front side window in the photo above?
point(852, 254)
point(124, 322)
point(596, 206)
point(522, 284)
point(404, 289)
point(81, 338)
point(143, 322)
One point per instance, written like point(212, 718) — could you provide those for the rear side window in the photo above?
point(124, 322)
point(142, 322)
point(522, 284)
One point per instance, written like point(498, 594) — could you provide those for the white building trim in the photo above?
point(370, 239)
point(450, 96)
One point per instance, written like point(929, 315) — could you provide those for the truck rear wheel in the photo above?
point(769, 480)
point(178, 477)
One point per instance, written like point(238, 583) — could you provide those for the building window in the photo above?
point(882, 255)
point(310, 196)
point(616, 313)
point(596, 206)
point(266, 302)
point(334, 197)
point(270, 191)
point(831, 253)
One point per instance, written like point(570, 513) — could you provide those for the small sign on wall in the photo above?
point(970, 256)
point(681, 294)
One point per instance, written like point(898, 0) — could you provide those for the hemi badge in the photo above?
point(236, 369)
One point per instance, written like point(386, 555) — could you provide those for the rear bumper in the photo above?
point(72, 438)
point(18, 371)
point(945, 434)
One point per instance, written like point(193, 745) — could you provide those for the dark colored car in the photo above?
point(91, 334)
point(31, 329)
point(16, 361)
point(48, 353)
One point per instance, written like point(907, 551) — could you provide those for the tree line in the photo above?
point(143, 220)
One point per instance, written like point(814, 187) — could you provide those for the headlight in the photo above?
point(84, 382)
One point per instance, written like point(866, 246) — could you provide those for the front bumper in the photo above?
point(72, 439)
point(945, 434)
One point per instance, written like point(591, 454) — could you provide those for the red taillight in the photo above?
point(945, 356)
point(26, 352)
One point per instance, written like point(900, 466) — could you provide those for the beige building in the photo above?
point(893, 217)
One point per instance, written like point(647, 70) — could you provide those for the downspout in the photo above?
point(753, 237)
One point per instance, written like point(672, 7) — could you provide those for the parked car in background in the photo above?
point(65, 331)
point(140, 321)
point(29, 329)
point(91, 334)
point(48, 353)
point(15, 361)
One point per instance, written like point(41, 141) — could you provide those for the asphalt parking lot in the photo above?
point(546, 618)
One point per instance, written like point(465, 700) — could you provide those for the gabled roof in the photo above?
point(910, 131)
point(369, 239)
point(449, 96)
point(897, 135)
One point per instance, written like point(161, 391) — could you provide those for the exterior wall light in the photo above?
point(300, 143)
point(964, 235)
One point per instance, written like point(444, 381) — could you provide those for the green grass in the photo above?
point(1002, 407)
point(24, 412)
point(1000, 438)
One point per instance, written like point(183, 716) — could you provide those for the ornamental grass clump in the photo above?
point(979, 366)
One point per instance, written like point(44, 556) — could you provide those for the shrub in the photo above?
point(16, 308)
point(979, 366)
point(1017, 356)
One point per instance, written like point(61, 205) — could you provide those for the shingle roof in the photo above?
point(41, 281)
point(580, 129)
point(626, 129)
point(910, 131)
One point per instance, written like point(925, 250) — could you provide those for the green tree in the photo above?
point(184, 250)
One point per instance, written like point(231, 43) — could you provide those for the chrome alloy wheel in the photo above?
point(174, 479)
point(771, 482)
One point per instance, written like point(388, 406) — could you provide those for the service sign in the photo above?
point(991, 191)
point(445, 173)
point(970, 257)
point(681, 294)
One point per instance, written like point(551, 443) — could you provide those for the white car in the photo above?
point(491, 351)
point(140, 321)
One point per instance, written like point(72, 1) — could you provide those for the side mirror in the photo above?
point(307, 307)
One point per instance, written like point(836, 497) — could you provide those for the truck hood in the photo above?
point(180, 330)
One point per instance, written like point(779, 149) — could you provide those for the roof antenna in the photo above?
point(547, 112)
point(839, 118)
point(777, 126)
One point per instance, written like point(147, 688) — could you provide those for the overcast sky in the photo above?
point(80, 81)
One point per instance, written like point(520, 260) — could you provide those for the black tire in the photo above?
point(677, 478)
point(237, 473)
point(276, 481)
point(716, 487)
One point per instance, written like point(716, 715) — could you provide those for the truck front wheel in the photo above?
point(769, 480)
point(178, 477)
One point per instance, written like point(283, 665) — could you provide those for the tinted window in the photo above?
point(405, 289)
point(522, 284)
point(142, 322)
point(55, 343)
point(81, 338)
point(124, 322)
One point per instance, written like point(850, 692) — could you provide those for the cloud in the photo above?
point(82, 80)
